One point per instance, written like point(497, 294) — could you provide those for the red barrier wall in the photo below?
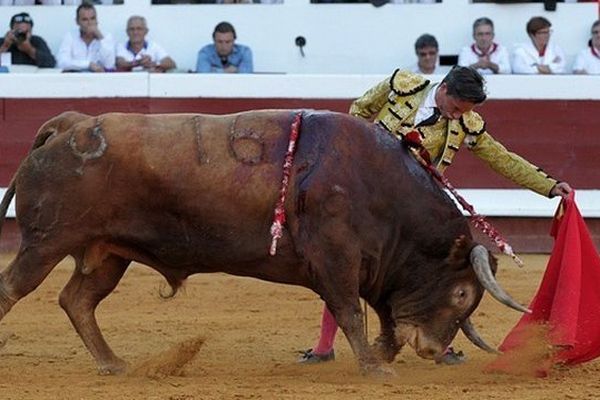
point(556, 135)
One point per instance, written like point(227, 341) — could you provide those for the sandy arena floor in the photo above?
point(248, 333)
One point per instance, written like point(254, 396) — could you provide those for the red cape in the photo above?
point(568, 299)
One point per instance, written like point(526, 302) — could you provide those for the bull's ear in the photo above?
point(459, 253)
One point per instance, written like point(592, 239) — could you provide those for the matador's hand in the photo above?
point(561, 189)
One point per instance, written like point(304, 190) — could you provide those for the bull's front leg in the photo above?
point(386, 346)
point(334, 254)
point(350, 318)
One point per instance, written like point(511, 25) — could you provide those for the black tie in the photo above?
point(432, 119)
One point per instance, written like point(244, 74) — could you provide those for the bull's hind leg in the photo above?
point(25, 273)
point(79, 299)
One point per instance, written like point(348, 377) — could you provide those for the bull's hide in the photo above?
point(191, 193)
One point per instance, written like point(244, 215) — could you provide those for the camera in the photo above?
point(20, 36)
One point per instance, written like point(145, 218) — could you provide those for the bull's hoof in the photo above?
point(377, 370)
point(452, 358)
point(310, 357)
point(386, 350)
point(116, 367)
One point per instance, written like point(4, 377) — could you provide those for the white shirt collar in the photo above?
point(425, 110)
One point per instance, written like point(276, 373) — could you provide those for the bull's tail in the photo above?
point(8, 196)
point(40, 139)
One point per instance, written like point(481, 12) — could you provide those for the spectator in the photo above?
point(540, 56)
point(24, 47)
point(485, 55)
point(428, 60)
point(225, 55)
point(86, 48)
point(588, 60)
point(139, 54)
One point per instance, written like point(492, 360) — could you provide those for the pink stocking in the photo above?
point(328, 330)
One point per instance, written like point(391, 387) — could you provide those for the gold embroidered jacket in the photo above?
point(394, 103)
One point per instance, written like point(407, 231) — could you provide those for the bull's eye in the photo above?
point(461, 296)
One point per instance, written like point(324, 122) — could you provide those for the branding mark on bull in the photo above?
point(93, 135)
point(246, 145)
point(202, 156)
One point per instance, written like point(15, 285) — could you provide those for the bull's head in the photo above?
point(429, 318)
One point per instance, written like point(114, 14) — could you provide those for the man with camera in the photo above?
point(24, 47)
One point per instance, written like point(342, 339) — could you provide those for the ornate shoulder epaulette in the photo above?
point(405, 83)
point(472, 123)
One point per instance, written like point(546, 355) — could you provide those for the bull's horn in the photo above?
point(481, 264)
point(471, 334)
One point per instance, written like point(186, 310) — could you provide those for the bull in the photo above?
point(187, 193)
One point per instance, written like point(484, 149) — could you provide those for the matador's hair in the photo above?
point(465, 83)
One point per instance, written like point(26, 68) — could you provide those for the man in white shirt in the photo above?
point(588, 60)
point(87, 48)
point(540, 56)
point(139, 54)
point(487, 56)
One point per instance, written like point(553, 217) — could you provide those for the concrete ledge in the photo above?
point(45, 84)
point(524, 203)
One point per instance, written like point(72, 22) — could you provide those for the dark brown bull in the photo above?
point(196, 193)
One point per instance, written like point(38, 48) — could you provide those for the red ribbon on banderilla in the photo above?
point(279, 214)
point(414, 140)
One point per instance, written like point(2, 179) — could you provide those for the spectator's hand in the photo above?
point(158, 68)
point(476, 65)
point(94, 67)
point(544, 69)
point(94, 30)
point(146, 62)
point(230, 70)
point(561, 189)
point(97, 33)
point(9, 39)
point(484, 62)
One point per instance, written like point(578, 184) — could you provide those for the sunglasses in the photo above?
point(22, 18)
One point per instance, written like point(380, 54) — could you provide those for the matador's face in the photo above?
point(451, 107)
